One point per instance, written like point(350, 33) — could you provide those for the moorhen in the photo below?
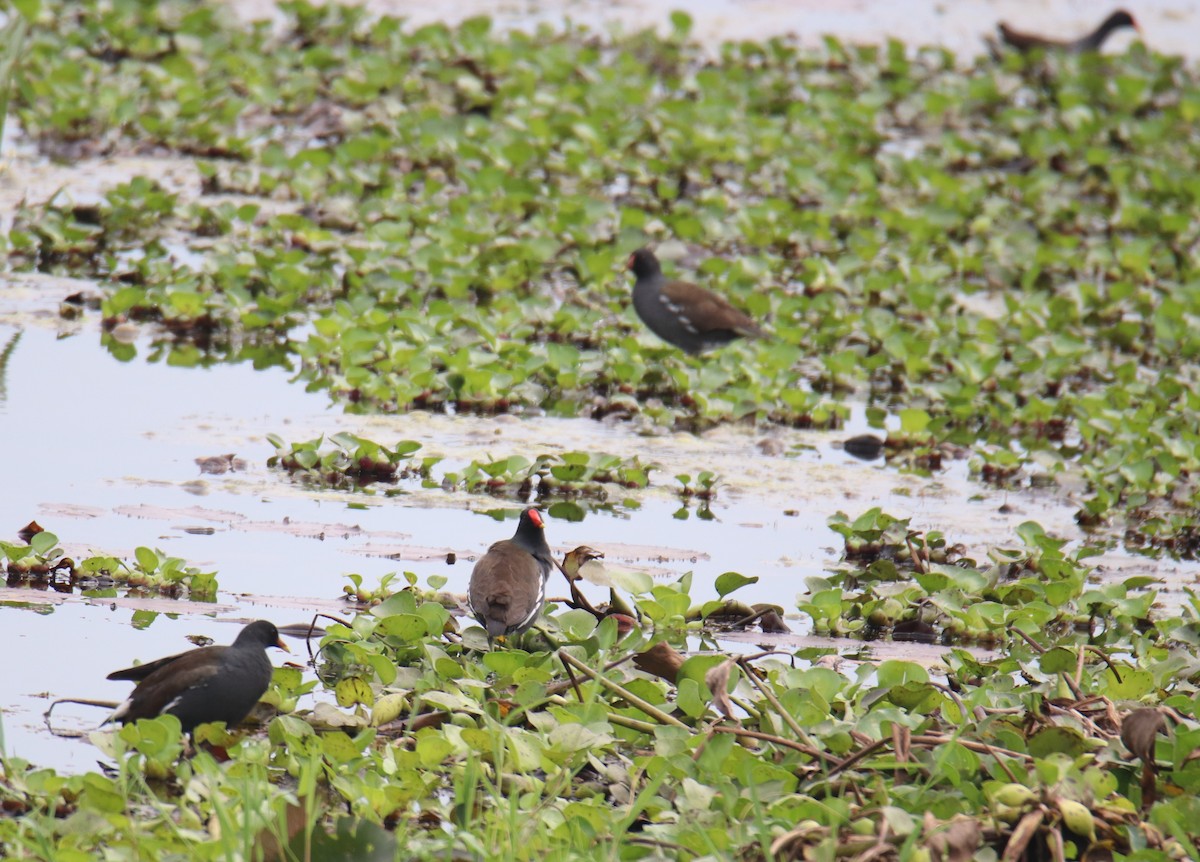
point(1085, 44)
point(508, 584)
point(682, 313)
point(214, 683)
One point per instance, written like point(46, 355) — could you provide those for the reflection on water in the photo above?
point(5, 354)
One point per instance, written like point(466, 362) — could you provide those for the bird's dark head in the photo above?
point(1120, 19)
point(531, 537)
point(643, 263)
point(262, 632)
point(532, 518)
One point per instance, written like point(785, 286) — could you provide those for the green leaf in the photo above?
point(730, 581)
point(147, 559)
point(354, 690)
point(914, 420)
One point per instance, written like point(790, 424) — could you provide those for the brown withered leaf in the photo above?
point(295, 819)
point(770, 619)
point(1139, 730)
point(662, 660)
point(717, 680)
point(432, 719)
point(625, 624)
point(1100, 852)
point(29, 531)
point(1024, 832)
point(955, 841)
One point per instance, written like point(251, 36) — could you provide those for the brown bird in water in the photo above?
point(508, 584)
point(1091, 42)
point(682, 313)
point(215, 683)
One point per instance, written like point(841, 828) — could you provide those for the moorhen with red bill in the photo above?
point(508, 584)
point(682, 313)
point(214, 683)
point(1085, 44)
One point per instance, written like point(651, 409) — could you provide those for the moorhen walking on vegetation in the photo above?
point(508, 584)
point(214, 683)
point(1091, 42)
point(682, 313)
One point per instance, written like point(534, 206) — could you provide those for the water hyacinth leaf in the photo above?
point(692, 698)
point(1058, 660)
point(384, 667)
point(354, 690)
point(1133, 684)
point(1060, 740)
point(914, 696)
point(43, 542)
point(146, 558)
point(729, 581)
point(405, 627)
point(402, 602)
point(577, 625)
point(897, 673)
point(630, 580)
point(339, 748)
point(100, 795)
point(672, 602)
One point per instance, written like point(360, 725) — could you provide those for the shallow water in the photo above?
point(960, 25)
point(104, 457)
point(102, 452)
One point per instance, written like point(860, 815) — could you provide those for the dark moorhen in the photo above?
point(1085, 44)
point(682, 313)
point(215, 683)
point(508, 584)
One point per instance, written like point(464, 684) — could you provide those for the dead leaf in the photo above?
point(296, 818)
point(954, 841)
point(428, 719)
point(772, 623)
point(902, 742)
point(327, 716)
point(1022, 835)
point(717, 680)
point(661, 660)
point(625, 624)
point(1101, 852)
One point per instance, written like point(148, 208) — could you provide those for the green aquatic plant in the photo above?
point(628, 744)
point(42, 561)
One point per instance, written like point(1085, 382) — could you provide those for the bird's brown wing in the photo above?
point(1025, 41)
point(157, 690)
point(513, 582)
point(139, 672)
point(706, 311)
